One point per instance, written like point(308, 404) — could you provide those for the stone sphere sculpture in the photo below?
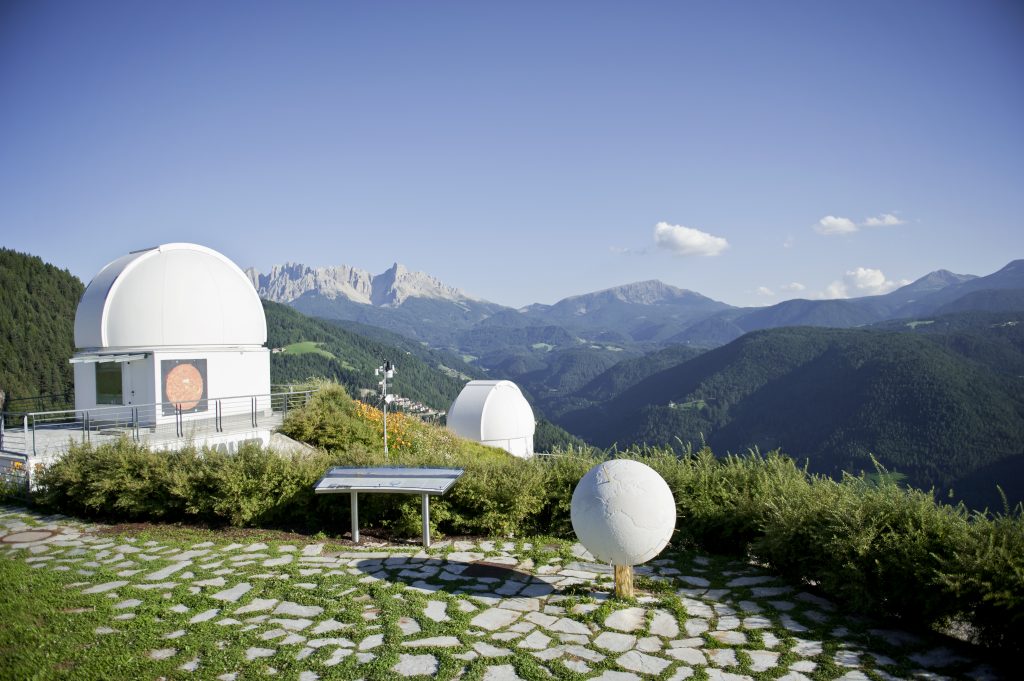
point(623, 512)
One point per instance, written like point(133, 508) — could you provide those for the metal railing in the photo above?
point(44, 433)
point(38, 402)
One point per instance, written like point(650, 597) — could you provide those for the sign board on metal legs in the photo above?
point(388, 479)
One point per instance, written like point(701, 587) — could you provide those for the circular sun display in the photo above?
point(184, 385)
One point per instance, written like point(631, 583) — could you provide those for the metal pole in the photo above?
point(29, 453)
point(385, 419)
point(426, 520)
point(355, 517)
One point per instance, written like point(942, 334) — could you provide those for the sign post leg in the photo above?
point(355, 517)
point(426, 520)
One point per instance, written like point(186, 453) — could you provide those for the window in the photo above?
point(108, 383)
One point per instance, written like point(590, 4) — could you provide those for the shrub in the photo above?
point(563, 470)
point(876, 548)
point(986, 577)
point(330, 420)
point(498, 496)
point(122, 478)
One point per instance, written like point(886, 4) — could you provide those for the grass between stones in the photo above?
point(171, 602)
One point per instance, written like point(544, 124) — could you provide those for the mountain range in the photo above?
point(552, 350)
point(640, 314)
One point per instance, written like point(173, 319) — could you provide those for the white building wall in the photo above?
point(85, 386)
point(230, 373)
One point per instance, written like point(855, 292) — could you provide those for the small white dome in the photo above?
point(495, 413)
point(171, 295)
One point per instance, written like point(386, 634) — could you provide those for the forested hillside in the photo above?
point(618, 378)
point(937, 401)
point(349, 358)
point(37, 318)
point(445, 360)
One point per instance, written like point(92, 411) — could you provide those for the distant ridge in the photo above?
point(638, 316)
point(650, 292)
point(410, 303)
point(285, 283)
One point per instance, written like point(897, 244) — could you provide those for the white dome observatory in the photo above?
point(496, 414)
point(172, 332)
point(171, 295)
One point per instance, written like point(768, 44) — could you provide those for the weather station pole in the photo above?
point(386, 371)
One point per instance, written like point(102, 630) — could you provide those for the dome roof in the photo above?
point(171, 295)
point(491, 410)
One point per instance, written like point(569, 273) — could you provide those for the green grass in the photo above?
point(692, 404)
point(306, 348)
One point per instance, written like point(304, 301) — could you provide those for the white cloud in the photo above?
point(788, 243)
point(687, 241)
point(793, 286)
point(861, 281)
point(836, 289)
point(883, 220)
point(866, 279)
point(871, 282)
point(619, 250)
point(764, 291)
point(830, 224)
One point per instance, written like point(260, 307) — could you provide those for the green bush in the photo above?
point(331, 421)
point(876, 548)
point(986, 577)
point(499, 497)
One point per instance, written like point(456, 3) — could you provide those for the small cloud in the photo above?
point(830, 224)
point(687, 241)
point(764, 291)
point(883, 220)
point(618, 250)
point(788, 243)
point(836, 289)
point(861, 281)
point(793, 287)
point(870, 282)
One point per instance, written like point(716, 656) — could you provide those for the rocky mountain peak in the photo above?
point(284, 283)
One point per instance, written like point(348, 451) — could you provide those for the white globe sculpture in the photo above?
point(623, 512)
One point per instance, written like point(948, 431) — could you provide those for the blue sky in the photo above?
point(524, 151)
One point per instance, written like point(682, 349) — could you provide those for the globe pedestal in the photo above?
point(623, 581)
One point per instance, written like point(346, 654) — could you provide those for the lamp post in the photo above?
point(386, 371)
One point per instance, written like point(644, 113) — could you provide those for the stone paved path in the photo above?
point(465, 608)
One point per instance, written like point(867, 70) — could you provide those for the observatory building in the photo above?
point(496, 414)
point(169, 334)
